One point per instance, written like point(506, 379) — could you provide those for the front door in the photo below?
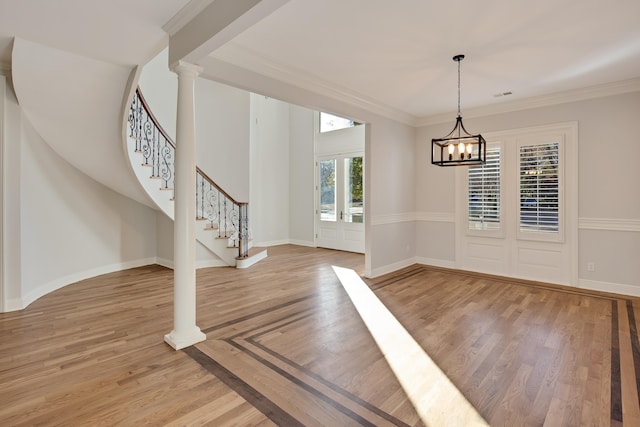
point(340, 207)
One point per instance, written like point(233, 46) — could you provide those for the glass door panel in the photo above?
point(328, 190)
point(340, 198)
point(353, 190)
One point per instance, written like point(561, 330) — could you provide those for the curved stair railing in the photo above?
point(223, 215)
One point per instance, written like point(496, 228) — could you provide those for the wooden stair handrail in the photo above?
point(164, 133)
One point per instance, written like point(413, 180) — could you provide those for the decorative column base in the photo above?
point(183, 340)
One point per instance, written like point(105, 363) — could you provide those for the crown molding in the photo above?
point(185, 15)
point(246, 58)
point(5, 68)
point(598, 91)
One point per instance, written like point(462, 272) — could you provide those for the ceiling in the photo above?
point(123, 32)
point(395, 55)
point(398, 54)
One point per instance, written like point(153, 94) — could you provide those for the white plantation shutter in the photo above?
point(539, 188)
point(484, 193)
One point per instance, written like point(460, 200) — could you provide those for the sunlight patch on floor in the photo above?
point(435, 398)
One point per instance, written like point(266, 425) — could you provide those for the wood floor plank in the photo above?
point(523, 353)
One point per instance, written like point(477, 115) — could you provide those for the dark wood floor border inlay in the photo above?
point(343, 409)
point(251, 395)
point(375, 285)
point(616, 382)
point(330, 385)
point(277, 326)
point(250, 336)
point(635, 344)
point(254, 315)
point(296, 317)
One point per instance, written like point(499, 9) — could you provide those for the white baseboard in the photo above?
point(40, 291)
point(616, 288)
point(273, 243)
point(390, 268)
point(444, 263)
point(203, 263)
point(306, 243)
point(248, 262)
point(594, 285)
point(206, 263)
point(168, 263)
point(13, 304)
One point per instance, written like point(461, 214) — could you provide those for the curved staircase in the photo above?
point(224, 226)
point(116, 134)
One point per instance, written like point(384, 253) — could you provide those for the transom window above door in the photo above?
point(329, 122)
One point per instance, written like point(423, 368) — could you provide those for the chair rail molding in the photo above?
point(436, 217)
point(609, 224)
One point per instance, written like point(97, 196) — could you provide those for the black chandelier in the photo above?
point(459, 147)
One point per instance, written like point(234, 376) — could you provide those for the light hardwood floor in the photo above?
point(286, 346)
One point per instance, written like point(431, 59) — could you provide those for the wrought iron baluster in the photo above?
point(139, 132)
point(132, 119)
point(202, 197)
point(226, 226)
point(154, 150)
point(212, 203)
point(167, 163)
point(147, 140)
point(197, 193)
point(243, 231)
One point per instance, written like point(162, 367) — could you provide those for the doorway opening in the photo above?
point(339, 187)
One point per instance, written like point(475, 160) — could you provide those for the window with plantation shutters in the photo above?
point(539, 175)
point(484, 193)
point(517, 215)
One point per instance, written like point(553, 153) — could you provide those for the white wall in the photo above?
point(301, 176)
point(164, 246)
point(389, 196)
point(164, 239)
point(3, 85)
point(607, 192)
point(64, 225)
point(11, 242)
point(222, 136)
point(222, 123)
point(269, 172)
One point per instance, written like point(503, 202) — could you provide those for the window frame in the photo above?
point(501, 230)
point(537, 235)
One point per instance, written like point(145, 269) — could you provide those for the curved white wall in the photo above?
point(62, 226)
point(75, 104)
